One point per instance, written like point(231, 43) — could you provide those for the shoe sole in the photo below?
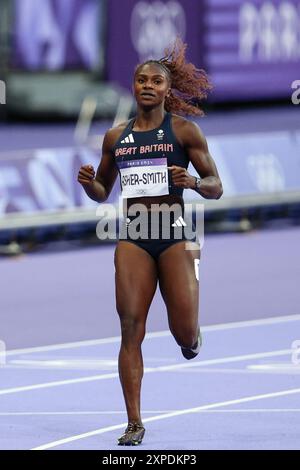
point(128, 444)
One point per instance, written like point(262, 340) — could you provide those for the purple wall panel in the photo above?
point(139, 30)
point(55, 34)
point(251, 49)
point(45, 179)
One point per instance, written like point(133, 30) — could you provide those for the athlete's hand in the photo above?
point(86, 175)
point(181, 177)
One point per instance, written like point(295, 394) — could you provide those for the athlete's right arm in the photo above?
point(99, 187)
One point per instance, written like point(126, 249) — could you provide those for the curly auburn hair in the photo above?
point(188, 84)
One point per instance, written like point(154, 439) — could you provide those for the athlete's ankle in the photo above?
point(135, 421)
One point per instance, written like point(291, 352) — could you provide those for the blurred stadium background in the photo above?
point(66, 68)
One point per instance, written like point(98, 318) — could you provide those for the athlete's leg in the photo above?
point(136, 281)
point(179, 286)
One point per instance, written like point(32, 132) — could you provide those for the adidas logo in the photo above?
point(179, 222)
point(128, 139)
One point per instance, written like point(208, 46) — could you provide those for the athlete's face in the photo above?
point(151, 86)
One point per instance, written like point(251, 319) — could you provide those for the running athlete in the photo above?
point(151, 153)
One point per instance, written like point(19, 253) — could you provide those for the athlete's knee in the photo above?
point(132, 329)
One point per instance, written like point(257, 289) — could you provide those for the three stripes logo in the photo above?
point(129, 139)
point(179, 222)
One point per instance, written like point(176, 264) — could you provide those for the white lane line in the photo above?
point(108, 364)
point(75, 413)
point(223, 360)
point(173, 414)
point(186, 365)
point(252, 323)
point(91, 413)
point(255, 410)
point(80, 344)
point(57, 383)
point(153, 335)
point(88, 363)
point(275, 368)
point(248, 370)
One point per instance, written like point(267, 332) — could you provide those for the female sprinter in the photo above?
point(151, 153)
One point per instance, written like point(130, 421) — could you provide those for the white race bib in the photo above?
point(147, 177)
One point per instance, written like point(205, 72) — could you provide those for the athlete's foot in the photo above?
point(133, 435)
point(190, 353)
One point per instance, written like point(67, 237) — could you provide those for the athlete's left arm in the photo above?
point(194, 142)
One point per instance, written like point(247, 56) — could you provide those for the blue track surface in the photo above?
point(242, 393)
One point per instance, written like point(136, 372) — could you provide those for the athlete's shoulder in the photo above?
point(114, 133)
point(177, 119)
point(185, 129)
point(184, 123)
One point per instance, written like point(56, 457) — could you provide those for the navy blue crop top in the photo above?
point(142, 158)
